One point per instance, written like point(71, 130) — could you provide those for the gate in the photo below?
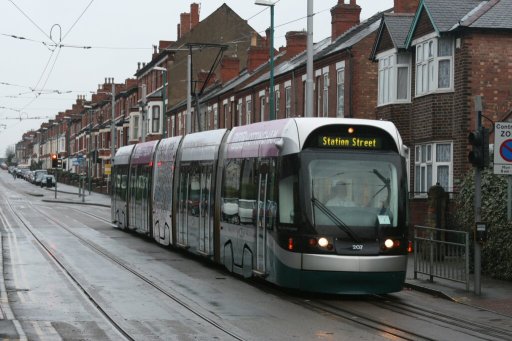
point(441, 253)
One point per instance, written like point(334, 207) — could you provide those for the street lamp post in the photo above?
point(164, 107)
point(270, 4)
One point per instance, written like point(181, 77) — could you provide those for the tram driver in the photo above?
point(340, 196)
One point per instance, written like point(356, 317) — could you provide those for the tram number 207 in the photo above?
point(358, 247)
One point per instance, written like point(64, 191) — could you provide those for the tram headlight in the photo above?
point(323, 242)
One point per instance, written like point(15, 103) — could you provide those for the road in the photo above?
point(69, 275)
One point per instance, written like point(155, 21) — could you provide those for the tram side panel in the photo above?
point(163, 188)
point(120, 176)
point(249, 199)
point(141, 171)
point(196, 179)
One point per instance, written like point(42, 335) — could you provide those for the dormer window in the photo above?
point(434, 65)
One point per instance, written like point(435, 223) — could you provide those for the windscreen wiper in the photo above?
point(337, 221)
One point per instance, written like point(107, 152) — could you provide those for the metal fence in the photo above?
point(441, 253)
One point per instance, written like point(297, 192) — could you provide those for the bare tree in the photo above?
point(9, 154)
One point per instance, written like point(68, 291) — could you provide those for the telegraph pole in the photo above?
point(478, 202)
point(309, 64)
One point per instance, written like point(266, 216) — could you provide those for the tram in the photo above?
point(264, 201)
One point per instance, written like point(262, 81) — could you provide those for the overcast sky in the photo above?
point(37, 81)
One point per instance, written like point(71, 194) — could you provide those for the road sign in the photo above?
point(503, 148)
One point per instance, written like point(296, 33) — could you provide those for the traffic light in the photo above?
point(479, 154)
point(54, 160)
point(59, 163)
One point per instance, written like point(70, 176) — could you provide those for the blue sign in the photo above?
point(506, 150)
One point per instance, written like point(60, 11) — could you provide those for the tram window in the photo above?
point(249, 181)
point(231, 191)
point(289, 209)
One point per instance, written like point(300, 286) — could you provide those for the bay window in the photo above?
point(434, 65)
point(394, 78)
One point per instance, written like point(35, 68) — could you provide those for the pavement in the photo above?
point(495, 295)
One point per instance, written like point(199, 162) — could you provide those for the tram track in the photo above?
point(472, 328)
point(104, 253)
point(384, 329)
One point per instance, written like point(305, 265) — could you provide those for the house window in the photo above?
point(262, 108)
point(394, 78)
point(248, 106)
point(433, 164)
point(288, 100)
point(340, 79)
point(155, 119)
point(215, 117)
point(277, 96)
point(325, 97)
point(135, 127)
point(434, 65)
point(225, 108)
point(239, 109)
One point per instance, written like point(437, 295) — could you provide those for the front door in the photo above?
point(261, 230)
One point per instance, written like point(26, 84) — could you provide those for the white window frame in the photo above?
point(136, 127)
point(426, 167)
point(325, 94)
point(155, 111)
point(288, 101)
point(388, 77)
point(427, 65)
point(340, 89)
point(240, 111)
point(225, 109)
point(262, 105)
point(277, 97)
point(248, 109)
point(215, 117)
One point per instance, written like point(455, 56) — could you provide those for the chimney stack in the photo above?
point(229, 68)
point(296, 42)
point(406, 6)
point(188, 20)
point(194, 15)
point(343, 17)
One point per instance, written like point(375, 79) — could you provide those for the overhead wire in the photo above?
point(78, 19)
point(30, 19)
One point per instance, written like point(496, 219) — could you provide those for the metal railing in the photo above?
point(441, 253)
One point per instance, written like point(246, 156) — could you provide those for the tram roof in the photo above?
point(123, 155)
point(289, 135)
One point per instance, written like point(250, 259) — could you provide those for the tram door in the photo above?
point(182, 228)
point(206, 210)
point(264, 211)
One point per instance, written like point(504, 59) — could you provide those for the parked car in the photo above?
point(48, 180)
point(39, 174)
